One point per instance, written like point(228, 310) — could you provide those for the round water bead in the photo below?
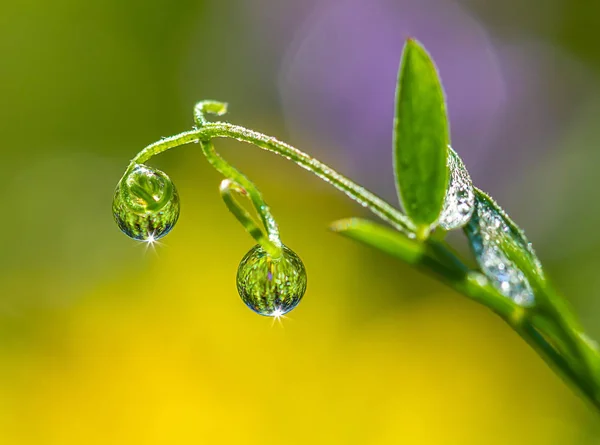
point(271, 286)
point(146, 204)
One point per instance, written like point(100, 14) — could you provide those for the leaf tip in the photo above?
point(341, 225)
point(413, 43)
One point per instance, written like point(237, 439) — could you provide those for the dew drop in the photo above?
point(146, 204)
point(271, 286)
point(490, 231)
point(459, 202)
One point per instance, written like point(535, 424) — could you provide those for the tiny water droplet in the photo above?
point(488, 231)
point(460, 197)
point(146, 204)
point(271, 286)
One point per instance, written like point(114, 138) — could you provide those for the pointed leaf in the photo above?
point(421, 137)
point(502, 251)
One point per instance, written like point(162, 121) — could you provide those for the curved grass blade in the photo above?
point(430, 257)
point(381, 238)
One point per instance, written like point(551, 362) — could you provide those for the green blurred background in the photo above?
point(102, 342)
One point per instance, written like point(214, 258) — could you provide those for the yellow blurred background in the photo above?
point(104, 342)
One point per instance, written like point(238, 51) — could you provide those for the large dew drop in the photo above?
point(146, 204)
point(271, 286)
point(460, 197)
point(495, 240)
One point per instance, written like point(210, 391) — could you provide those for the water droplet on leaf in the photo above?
point(502, 251)
point(271, 286)
point(460, 197)
point(146, 204)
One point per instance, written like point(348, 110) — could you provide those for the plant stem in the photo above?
point(238, 182)
point(225, 130)
point(361, 195)
point(579, 372)
point(435, 258)
point(579, 365)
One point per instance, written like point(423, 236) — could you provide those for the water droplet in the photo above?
point(460, 197)
point(146, 204)
point(271, 286)
point(494, 239)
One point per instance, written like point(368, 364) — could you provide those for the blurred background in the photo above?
point(103, 342)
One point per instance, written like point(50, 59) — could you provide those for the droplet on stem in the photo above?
point(271, 286)
point(460, 197)
point(146, 204)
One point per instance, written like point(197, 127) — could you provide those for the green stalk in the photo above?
point(530, 323)
point(550, 328)
point(237, 182)
point(211, 130)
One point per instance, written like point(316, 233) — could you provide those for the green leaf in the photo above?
point(421, 137)
point(503, 252)
point(381, 238)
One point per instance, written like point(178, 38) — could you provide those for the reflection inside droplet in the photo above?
point(271, 286)
point(146, 204)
